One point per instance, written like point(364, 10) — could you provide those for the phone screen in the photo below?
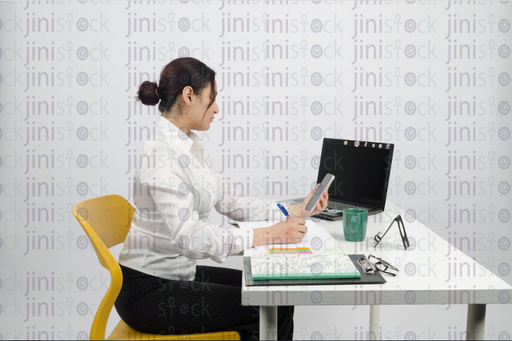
point(328, 178)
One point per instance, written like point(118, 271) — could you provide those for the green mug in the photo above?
point(355, 221)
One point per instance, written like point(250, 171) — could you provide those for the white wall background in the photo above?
point(69, 128)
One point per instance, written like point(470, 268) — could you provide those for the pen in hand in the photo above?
point(285, 212)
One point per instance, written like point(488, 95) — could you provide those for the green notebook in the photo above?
point(303, 266)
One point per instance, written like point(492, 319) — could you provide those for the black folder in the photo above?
point(366, 278)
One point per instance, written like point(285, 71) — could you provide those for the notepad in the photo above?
point(302, 266)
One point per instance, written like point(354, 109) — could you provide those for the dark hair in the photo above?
point(175, 76)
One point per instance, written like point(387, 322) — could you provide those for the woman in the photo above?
point(175, 188)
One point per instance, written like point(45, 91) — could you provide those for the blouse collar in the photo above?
point(172, 135)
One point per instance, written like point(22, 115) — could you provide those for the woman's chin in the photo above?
point(205, 126)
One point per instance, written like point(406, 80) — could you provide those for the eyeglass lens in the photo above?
point(384, 268)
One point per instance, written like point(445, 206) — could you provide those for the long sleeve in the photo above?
point(189, 232)
point(238, 207)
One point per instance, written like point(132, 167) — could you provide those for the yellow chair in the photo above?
point(106, 221)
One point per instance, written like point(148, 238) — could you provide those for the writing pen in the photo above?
point(285, 212)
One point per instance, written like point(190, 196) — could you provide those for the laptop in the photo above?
point(361, 170)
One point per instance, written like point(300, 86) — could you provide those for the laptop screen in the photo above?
point(361, 169)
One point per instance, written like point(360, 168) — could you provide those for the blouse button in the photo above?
point(184, 160)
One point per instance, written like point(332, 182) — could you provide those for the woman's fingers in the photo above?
point(303, 228)
point(322, 203)
point(325, 199)
point(310, 195)
point(292, 230)
point(299, 229)
point(299, 221)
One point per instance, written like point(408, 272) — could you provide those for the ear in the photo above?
point(186, 95)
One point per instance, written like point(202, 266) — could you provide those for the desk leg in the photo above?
point(476, 322)
point(268, 323)
point(374, 322)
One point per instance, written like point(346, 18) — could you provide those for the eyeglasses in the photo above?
point(401, 228)
point(374, 264)
point(382, 266)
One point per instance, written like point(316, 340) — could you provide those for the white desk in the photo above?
point(431, 272)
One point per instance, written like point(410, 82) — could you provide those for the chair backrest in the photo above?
point(106, 221)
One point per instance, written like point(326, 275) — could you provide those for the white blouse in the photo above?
point(175, 188)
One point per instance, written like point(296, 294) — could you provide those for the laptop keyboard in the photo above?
point(340, 206)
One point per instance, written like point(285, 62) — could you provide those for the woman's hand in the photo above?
point(299, 211)
point(290, 231)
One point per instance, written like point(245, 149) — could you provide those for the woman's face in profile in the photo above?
point(202, 116)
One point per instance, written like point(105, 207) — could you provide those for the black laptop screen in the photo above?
point(361, 170)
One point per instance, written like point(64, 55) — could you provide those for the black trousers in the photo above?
point(210, 303)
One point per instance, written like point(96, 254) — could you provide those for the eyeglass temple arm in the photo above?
point(391, 266)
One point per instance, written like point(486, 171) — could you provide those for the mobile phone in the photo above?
point(328, 178)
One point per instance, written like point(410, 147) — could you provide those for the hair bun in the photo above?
point(147, 94)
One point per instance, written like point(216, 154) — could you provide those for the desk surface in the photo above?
point(432, 271)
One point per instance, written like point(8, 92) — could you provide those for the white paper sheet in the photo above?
point(317, 238)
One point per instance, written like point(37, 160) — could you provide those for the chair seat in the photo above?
point(124, 332)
